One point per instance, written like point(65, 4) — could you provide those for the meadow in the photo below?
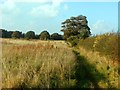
point(55, 64)
point(37, 64)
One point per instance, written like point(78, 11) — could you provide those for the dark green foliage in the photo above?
point(23, 35)
point(84, 34)
point(16, 34)
point(74, 26)
point(37, 36)
point(44, 35)
point(56, 36)
point(73, 40)
point(0, 33)
point(5, 33)
point(30, 35)
point(69, 32)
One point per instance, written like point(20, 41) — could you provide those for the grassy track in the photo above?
point(95, 71)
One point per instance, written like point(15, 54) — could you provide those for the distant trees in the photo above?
point(37, 36)
point(5, 33)
point(76, 26)
point(56, 36)
point(30, 35)
point(73, 28)
point(44, 35)
point(16, 34)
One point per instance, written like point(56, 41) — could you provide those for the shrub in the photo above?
point(73, 40)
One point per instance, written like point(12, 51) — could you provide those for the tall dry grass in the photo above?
point(106, 44)
point(102, 51)
point(103, 65)
point(40, 64)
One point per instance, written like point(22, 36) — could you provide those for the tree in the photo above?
point(44, 35)
point(56, 36)
point(9, 34)
point(75, 26)
point(5, 33)
point(30, 35)
point(16, 34)
point(37, 36)
point(23, 35)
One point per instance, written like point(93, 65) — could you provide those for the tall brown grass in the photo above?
point(40, 64)
point(106, 44)
point(104, 65)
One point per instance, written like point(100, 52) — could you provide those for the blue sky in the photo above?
point(38, 16)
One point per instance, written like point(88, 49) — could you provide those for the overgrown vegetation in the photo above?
point(106, 44)
point(37, 64)
point(97, 71)
point(98, 55)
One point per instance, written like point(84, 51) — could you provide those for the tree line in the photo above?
point(44, 35)
point(74, 28)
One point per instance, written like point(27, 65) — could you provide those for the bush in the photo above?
point(73, 40)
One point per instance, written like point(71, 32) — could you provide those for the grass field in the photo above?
point(52, 64)
point(42, 64)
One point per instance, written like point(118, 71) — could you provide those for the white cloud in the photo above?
point(9, 7)
point(44, 10)
point(101, 27)
point(47, 9)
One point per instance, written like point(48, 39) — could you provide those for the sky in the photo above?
point(40, 15)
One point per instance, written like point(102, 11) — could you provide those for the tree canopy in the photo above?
point(16, 34)
point(5, 33)
point(56, 36)
point(76, 26)
point(44, 35)
point(30, 35)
